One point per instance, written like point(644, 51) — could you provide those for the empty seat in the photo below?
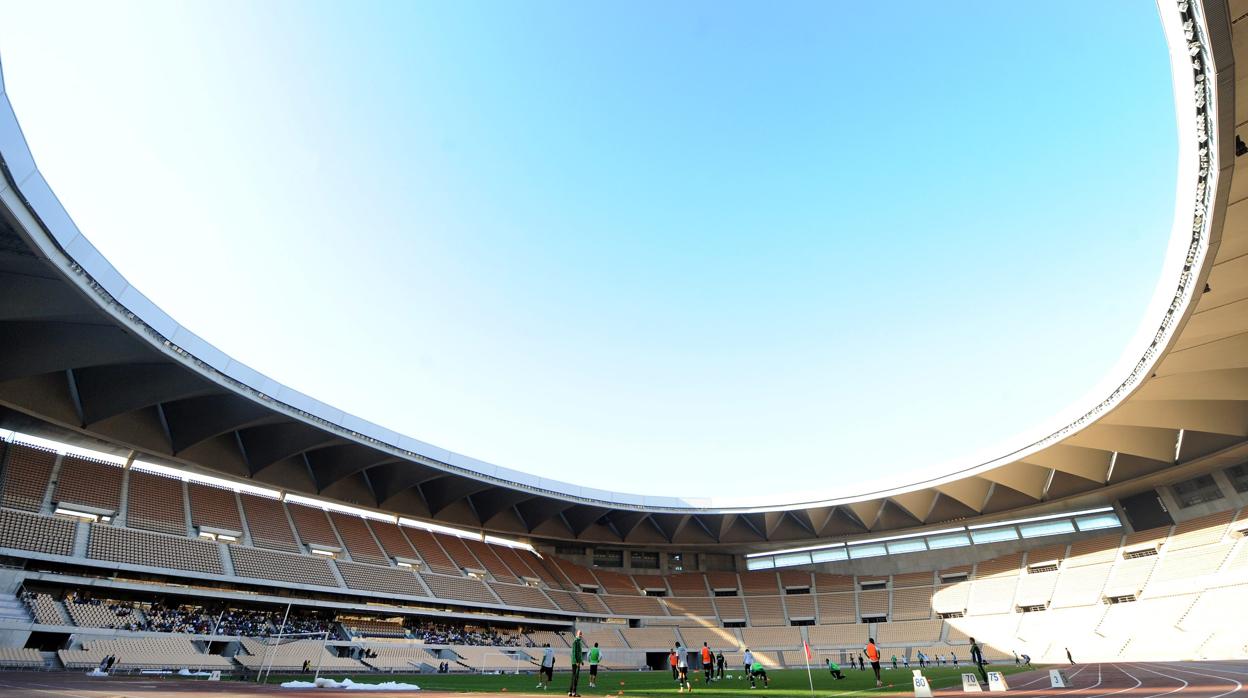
point(391, 580)
point(153, 549)
point(27, 472)
point(156, 503)
point(40, 534)
point(88, 482)
point(267, 523)
point(213, 506)
point(281, 567)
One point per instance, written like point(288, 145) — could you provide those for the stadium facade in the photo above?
point(220, 492)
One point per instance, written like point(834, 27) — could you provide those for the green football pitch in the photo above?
point(785, 683)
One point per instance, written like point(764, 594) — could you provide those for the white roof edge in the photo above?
point(1172, 298)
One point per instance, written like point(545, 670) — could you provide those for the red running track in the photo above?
point(1122, 679)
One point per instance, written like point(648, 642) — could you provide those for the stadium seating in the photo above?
point(215, 507)
point(431, 552)
point(40, 534)
point(47, 610)
point(634, 606)
point(521, 596)
point(290, 656)
point(156, 503)
point(281, 567)
point(660, 638)
point(358, 539)
point(490, 559)
point(836, 608)
point(1168, 586)
point(399, 657)
point(153, 549)
point(391, 580)
point(27, 472)
point(461, 588)
point(374, 628)
point(88, 482)
point(21, 658)
point(169, 653)
point(313, 526)
point(715, 638)
point(800, 606)
point(765, 610)
point(730, 608)
point(267, 522)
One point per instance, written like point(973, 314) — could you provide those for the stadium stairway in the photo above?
point(13, 609)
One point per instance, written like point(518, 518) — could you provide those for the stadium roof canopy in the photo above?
point(85, 352)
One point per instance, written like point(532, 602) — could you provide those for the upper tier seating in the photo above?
point(215, 507)
point(431, 551)
point(730, 608)
point(633, 606)
point(688, 584)
point(800, 606)
point(489, 558)
point(27, 471)
point(392, 540)
point(661, 638)
point(521, 596)
point(267, 522)
point(616, 583)
point(312, 526)
point(361, 545)
point(459, 552)
point(88, 482)
point(156, 503)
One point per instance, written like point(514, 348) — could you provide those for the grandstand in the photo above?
point(217, 520)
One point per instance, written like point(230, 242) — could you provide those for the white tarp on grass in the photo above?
point(350, 685)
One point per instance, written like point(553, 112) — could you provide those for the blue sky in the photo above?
point(683, 249)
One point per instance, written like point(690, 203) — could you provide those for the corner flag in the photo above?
point(806, 646)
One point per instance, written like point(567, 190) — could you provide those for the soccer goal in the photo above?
point(290, 652)
point(496, 662)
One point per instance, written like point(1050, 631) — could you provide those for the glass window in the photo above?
point(1046, 528)
point(759, 563)
point(606, 557)
point(1095, 522)
point(912, 545)
point(790, 559)
point(857, 552)
point(993, 535)
point(953, 540)
point(830, 555)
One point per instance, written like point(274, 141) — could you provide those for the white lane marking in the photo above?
point(1155, 695)
point(1075, 690)
point(1238, 685)
point(1138, 683)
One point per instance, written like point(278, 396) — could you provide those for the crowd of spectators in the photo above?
point(196, 620)
point(222, 620)
point(444, 634)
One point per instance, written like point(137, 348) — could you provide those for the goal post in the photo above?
point(274, 643)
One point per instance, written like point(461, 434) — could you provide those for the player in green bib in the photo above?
point(594, 655)
point(758, 672)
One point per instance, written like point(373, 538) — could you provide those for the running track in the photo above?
point(1123, 679)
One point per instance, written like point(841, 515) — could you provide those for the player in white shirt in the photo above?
point(548, 667)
